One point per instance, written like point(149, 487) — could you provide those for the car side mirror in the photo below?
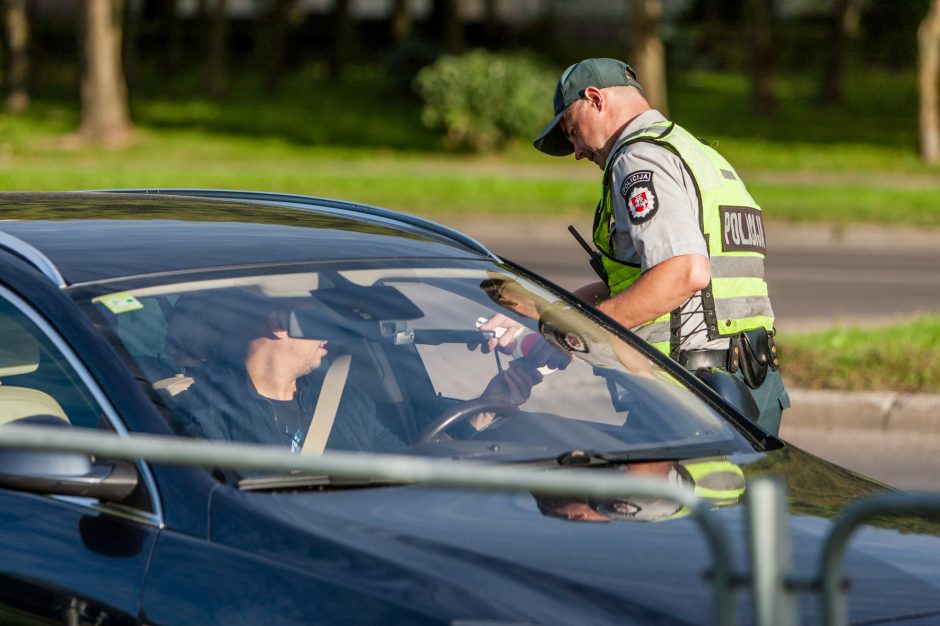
point(732, 389)
point(63, 473)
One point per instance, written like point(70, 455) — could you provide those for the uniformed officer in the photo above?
point(681, 240)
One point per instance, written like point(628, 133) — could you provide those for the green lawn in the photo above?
point(902, 357)
point(361, 140)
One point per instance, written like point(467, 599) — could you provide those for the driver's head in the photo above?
point(258, 331)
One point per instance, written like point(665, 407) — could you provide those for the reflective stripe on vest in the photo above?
point(718, 480)
point(728, 217)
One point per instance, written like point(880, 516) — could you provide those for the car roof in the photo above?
point(81, 237)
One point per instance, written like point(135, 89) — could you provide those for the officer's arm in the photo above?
point(592, 293)
point(659, 290)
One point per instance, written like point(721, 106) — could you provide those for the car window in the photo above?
point(35, 379)
point(246, 355)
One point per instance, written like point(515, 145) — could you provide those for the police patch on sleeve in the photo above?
point(640, 195)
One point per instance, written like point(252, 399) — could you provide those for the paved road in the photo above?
point(907, 460)
point(817, 275)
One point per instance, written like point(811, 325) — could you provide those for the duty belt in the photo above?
point(753, 352)
point(693, 360)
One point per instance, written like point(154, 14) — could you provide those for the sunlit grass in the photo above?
point(903, 357)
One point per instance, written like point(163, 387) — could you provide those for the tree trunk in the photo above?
point(445, 19)
point(763, 91)
point(131, 42)
point(714, 35)
point(928, 40)
point(171, 30)
point(276, 51)
point(17, 30)
point(216, 62)
point(104, 116)
point(402, 24)
point(647, 55)
point(491, 25)
point(342, 39)
point(843, 25)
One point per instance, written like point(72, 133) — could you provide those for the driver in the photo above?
point(265, 385)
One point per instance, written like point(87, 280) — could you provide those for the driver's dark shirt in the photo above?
point(226, 406)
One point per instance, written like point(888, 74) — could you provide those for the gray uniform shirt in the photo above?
point(655, 209)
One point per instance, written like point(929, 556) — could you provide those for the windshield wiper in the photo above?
point(320, 482)
point(586, 458)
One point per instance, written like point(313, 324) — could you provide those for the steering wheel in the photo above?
point(464, 411)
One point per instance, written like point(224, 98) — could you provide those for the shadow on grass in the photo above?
point(880, 109)
point(364, 110)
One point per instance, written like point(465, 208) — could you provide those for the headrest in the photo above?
point(19, 351)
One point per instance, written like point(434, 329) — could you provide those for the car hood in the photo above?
point(475, 555)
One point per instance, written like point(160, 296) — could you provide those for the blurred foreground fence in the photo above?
point(772, 583)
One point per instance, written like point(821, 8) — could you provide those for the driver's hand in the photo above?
point(507, 340)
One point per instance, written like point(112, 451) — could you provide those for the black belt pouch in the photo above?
point(754, 355)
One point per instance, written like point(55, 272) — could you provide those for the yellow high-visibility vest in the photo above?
point(736, 298)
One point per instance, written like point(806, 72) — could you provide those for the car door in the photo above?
point(65, 559)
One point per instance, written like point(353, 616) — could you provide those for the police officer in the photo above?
point(681, 240)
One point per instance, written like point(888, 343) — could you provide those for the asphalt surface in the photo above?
point(818, 276)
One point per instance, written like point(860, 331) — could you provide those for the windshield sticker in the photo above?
point(119, 303)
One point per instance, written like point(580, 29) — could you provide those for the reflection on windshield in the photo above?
point(718, 481)
point(471, 361)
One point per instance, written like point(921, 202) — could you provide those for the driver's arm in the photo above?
point(514, 385)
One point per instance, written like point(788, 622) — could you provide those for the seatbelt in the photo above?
point(321, 423)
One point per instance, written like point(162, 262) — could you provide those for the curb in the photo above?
point(883, 411)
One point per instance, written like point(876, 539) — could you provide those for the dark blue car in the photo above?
point(314, 326)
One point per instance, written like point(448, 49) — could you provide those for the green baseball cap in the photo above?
point(600, 73)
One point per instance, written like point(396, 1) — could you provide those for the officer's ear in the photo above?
point(595, 98)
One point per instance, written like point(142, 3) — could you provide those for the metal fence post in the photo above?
point(769, 546)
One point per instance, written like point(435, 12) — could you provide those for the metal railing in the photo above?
point(772, 583)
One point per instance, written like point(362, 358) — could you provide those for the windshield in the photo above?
point(465, 360)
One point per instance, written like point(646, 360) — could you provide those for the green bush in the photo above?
point(482, 99)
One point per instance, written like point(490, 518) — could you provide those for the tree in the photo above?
point(928, 39)
point(647, 55)
point(17, 31)
point(445, 19)
point(283, 16)
point(843, 25)
point(169, 28)
point(402, 22)
point(216, 59)
point(491, 25)
point(104, 110)
point(763, 90)
point(342, 38)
